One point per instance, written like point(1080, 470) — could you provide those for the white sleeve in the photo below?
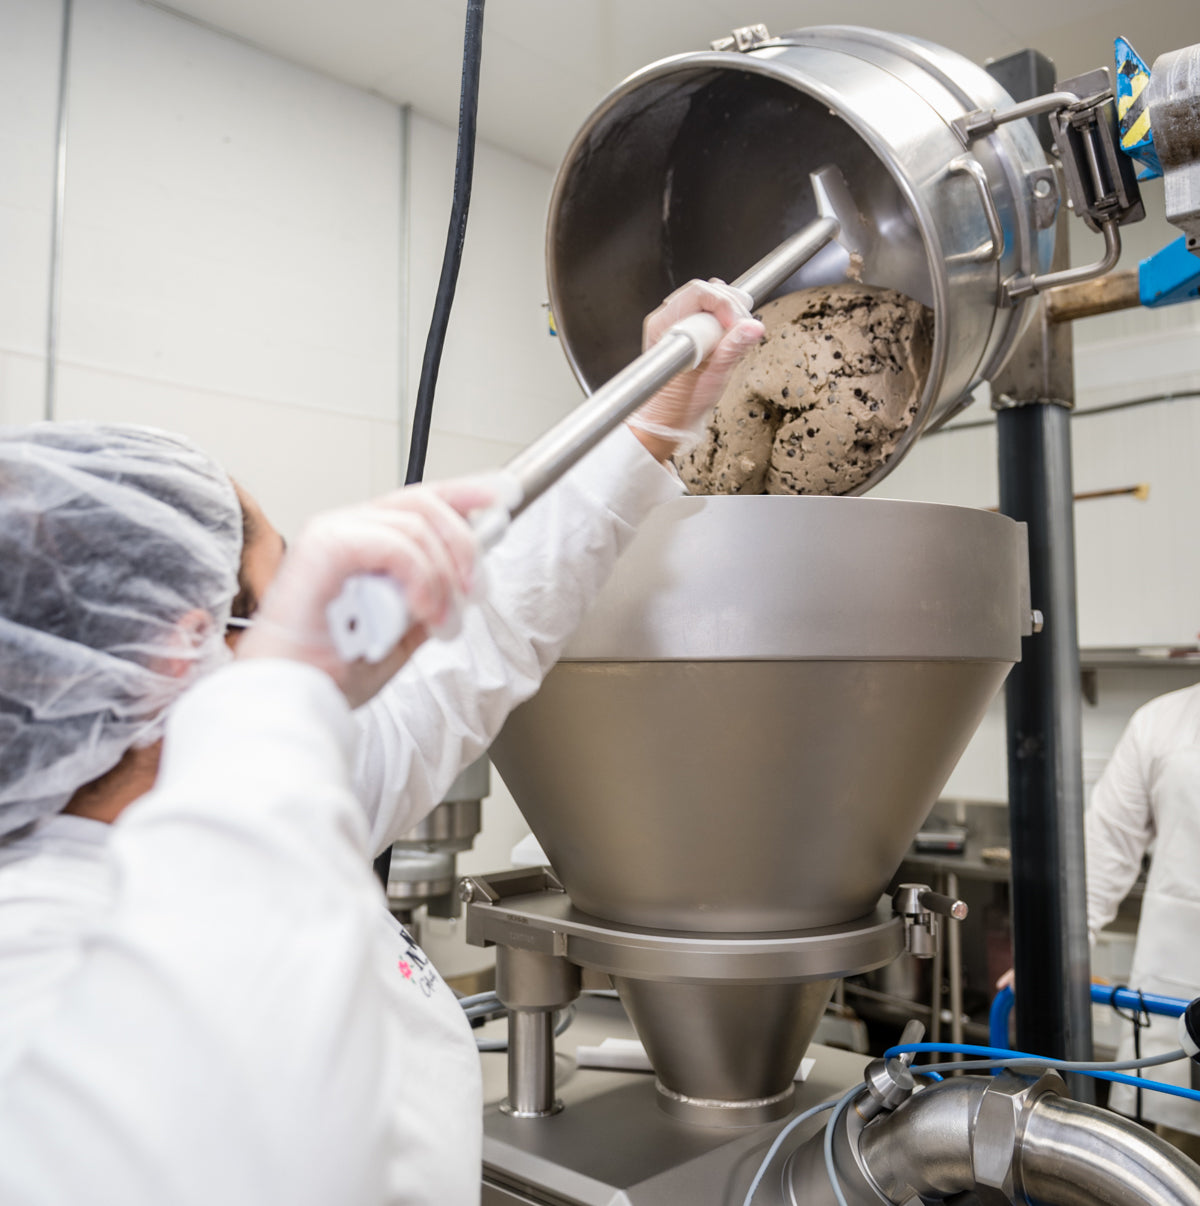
point(220, 1038)
point(1120, 823)
point(445, 707)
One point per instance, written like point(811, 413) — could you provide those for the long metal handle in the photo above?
point(551, 455)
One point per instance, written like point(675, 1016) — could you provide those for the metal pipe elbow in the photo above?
point(925, 1147)
point(1079, 1155)
point(1010, 1140)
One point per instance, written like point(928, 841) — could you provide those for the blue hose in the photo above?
point(1102, 994)
point(1001, 1055)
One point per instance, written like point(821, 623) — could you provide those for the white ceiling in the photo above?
point(547, 62)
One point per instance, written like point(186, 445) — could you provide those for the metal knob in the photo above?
point(947, 906)
point(919, 907)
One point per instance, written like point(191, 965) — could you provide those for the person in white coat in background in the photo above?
point(202, 997)
point(1149, 797)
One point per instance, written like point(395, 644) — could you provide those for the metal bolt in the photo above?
point(466, 891)
point(1042, 188)
point(1039, 621)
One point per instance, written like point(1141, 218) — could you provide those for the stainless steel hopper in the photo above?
point(742, 739)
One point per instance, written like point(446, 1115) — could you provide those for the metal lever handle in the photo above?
point(913, 1032)
point(947, 906)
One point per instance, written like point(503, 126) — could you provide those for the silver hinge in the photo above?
point(748, 37)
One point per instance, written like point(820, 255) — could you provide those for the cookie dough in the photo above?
point(823, 401)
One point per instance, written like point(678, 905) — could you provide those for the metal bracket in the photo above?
point(1101, 179)
point(744, 38)
point(1043, 189)
point(529, 911)
point(919, 907)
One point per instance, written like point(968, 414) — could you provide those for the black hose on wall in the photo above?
point(464, 168)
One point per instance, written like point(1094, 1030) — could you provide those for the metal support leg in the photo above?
point(532, 986)
point(531, 1064)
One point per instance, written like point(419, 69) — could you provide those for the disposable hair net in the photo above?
point(119, 555)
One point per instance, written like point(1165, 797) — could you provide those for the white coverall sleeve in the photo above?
point(1119, 825)
point(448, 703)
point(222, 1037)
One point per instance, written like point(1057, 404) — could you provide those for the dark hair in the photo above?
point(245, 602)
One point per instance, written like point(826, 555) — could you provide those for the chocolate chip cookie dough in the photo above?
point(824, 399)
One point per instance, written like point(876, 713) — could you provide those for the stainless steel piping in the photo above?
point(1002, 1139)
point(1077, 1155)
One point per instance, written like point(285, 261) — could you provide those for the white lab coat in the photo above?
point(1150, 793)
point(205, 1002)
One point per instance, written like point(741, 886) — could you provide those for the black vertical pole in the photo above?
point(1045, 780)
point(1033, 397)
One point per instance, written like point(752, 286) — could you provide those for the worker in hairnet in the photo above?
point(201, 997)
point(1149, 795)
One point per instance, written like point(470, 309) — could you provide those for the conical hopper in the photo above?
point(757, 715)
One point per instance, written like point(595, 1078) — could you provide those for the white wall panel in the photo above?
point(232, 221)
point(30, 33)
point(295, 459)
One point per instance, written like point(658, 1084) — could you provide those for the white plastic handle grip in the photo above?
point(371, 614)
point(368, 618)
point(703, 329)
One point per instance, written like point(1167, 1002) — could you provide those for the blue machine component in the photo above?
point(1133, 110)
point(1170, 275)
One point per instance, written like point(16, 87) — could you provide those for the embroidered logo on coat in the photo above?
point(415, 967)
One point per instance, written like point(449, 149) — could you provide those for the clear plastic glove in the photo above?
point(677, 413)
point(418, 536)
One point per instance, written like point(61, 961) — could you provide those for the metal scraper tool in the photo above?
point(370, 615)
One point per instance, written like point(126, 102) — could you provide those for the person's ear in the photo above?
point(191, 631)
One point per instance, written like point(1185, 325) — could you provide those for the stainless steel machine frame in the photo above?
point(725, 895)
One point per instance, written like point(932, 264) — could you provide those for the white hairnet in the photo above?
point(119, 555)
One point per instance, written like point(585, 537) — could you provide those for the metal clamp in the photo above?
point(919, 907)
point(992, 250)
point(744, 38)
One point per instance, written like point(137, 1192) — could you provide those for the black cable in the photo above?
point(464, 168)
point(464, 165)
point(1135, 1016)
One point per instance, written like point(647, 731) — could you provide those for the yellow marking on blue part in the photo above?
point(1137, 131)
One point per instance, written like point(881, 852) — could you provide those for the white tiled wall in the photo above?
point(29, 55)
